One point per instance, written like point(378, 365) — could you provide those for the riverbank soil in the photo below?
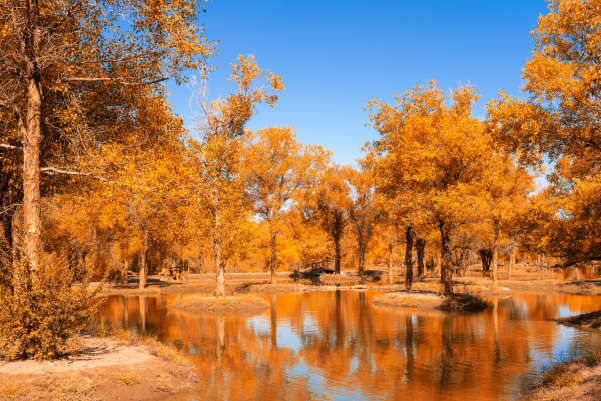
point(111, 368)
point(578, 380)
point(431, 300)
point(586, 320)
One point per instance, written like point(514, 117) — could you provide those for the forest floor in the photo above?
point(525, 279)
point(120, 366)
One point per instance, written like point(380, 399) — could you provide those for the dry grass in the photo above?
point(578, 379)
point(163, 384)
point(10, 390)
point(230, 303)
point(180, 365)
point(128, 379)
point(65, 387)
point(463, 302)
point(407, 300)
point(586, 320)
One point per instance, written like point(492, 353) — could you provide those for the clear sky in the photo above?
point(334, 56)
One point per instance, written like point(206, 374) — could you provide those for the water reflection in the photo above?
point(337, 345)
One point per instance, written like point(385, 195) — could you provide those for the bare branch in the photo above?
point(114, 80)
point(57, 171)
point(5, 146)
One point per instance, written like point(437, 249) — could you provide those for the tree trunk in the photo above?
point(124, 270)
point(219, 273)
point(337, 256)
point(495, 257)
point(272, 244)
point(446, 272)
point(361, 260)
point(511, 257)
point(31, 139)
point(390, 259)
point(409, 258)
point(486, 257)
point(420, 246)
point(142, 261)
point(464, 262)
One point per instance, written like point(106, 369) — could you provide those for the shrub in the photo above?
point(42, 312)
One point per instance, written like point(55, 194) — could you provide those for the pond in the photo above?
point(336, 345)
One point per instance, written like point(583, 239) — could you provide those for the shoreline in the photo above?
point(259, 284)
point(120, 366)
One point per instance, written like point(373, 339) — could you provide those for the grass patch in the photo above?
point(128, 379)
point(578, 379)
point(463, 302)
point(404, 299)
point(163, 384)
point(587, 320)
point(9, 390)
point(180, 365)
point(64, 387)
point(229, 303)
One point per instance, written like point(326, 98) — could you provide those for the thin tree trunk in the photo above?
point(464, 263)
point(337, 256)
point(409, 258)
point(420, 246)
point(361, 260)
point(446, 273)
point(142, 261)
point(31, 139)
point(272, 244)
point(511, 258)
point(124, 270)
point(390, 259)
point(220, 273)
point(495, 257)
point(219, 265)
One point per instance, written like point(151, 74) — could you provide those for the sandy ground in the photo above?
point(105, 371)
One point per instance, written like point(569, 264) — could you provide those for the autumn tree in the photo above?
point(279, 169)
point(506, 186)
point(430, 155)
point(327, 206)
point(558, 121)
point(364, 210)
point(56, 57)
point(215, 160)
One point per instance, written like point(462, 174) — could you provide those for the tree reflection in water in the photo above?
point(336, 344)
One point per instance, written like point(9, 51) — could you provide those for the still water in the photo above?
point(336, 345)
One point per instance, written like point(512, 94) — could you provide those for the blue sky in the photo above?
point(334, 56)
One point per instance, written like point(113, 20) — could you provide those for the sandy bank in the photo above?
point(113, 368)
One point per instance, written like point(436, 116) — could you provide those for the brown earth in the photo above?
point(106, 369)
